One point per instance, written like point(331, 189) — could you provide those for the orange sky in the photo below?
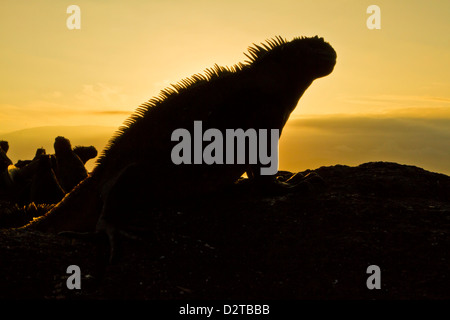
point(127, 51)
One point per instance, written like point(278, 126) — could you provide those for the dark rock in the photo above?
point(314, 244)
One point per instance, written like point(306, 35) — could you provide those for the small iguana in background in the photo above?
point(136, 164)
point(70, 169)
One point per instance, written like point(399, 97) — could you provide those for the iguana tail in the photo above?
point(78, 211)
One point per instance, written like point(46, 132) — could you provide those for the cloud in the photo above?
point(101, 95)
point(53, 95)
point(392, 102)
point(352, 140)
point(111, 112)
point(94, 104)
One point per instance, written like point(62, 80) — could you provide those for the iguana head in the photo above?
point(4, 160)
point(4, 145)
point(62, 145)
point(311, 55)
point(301, 58)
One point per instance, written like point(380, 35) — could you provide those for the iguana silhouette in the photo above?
point(70, 169)
point(136, 164)
point(4, 145)
point(85, 153)
point(5, 162)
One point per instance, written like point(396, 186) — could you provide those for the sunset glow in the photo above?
point(387, 98)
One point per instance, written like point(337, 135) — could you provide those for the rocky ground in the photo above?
point(310, 244)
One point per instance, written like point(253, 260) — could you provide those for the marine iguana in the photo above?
point(136, 164)
point(22, 163)
point(5, 162)
point(4, 145)
point(44, 186)
point(70, 169)
point(46, 178)
point(85, 153)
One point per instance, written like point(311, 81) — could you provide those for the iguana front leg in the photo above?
point(117, 206)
